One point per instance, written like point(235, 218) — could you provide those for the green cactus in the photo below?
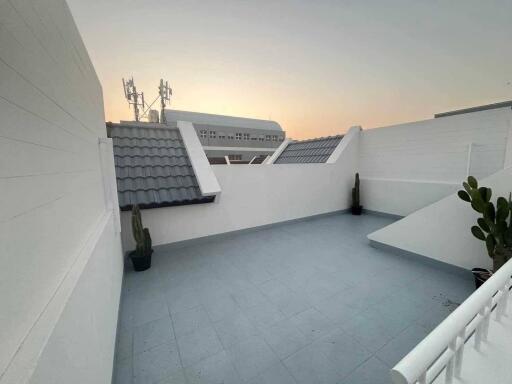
point(495, 225)
point(355, 193)
point(140, 234)
point(147, 241)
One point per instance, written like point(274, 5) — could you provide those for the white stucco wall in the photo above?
point(401, 197)
point(441, 231)
point(53, 207)
point(408, 166)
point(256, 195)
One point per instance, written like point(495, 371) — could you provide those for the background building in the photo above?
point(240, 139)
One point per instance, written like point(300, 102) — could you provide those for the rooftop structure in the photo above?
point(309, 151)
point(272, 282)
point(240, 139)
point(153, 168)
point(222, 120)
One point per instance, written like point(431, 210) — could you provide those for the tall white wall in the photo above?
point(441, 231)
point(408, 166)
point(254, 195)
point(57, 234)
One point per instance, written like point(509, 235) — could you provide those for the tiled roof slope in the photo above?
point(309, 151)
point(152, 167)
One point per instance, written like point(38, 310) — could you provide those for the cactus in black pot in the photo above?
point(494, 227)
point(356, 206)
point(141, 257)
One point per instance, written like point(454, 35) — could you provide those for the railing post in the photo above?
point(460, 352)
point(506, 296)
point(500, 304)
point(449, 367)
point(487, 318)
point(478, 330)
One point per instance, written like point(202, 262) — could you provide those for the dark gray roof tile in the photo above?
point(152, 167)
point(309, 151)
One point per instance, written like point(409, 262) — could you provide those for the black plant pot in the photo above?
point(357, 210)
point(140, 263)
point(481, 275)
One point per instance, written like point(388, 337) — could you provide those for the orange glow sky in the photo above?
point(316, 67)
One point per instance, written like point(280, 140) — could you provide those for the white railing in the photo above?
point(443, 348)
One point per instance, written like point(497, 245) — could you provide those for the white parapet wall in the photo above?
point(408, 166)
point(253, 196)
point(206, 179)
point(59, 233)
point(441, 231)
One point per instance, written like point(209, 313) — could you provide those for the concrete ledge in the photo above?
point(206, 179)
point(219, 236)
point(450, 268)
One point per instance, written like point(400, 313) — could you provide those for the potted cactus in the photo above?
point(141, 257)
point(356, 206)
point(494, 227)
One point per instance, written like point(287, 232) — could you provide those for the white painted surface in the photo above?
point(402, 197)
point(445, 356)
point(53, 201)
point(353, 131)
point(415, 163)
point(441, 231)
point(206, 179)
point(254, 196)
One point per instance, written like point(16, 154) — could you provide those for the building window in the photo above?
point(230, 136)
point(235, 157)
point(267, 137)
point(246, 136)
point(238, 136)
point(213, 134)
point(274, 138)
point(262, 138)
point(203, 133)
point(222, 135)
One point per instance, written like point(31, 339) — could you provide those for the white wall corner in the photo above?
point(208, 183)
point(508, 149)
point(351, 135)
point(109, 179)
point(278, 152)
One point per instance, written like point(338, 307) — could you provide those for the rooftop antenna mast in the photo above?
point(165, 93)
point(134, 98)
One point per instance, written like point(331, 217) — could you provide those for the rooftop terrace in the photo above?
point(307, 302)
point(303, 302)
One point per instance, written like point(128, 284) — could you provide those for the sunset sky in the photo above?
point(316, 67)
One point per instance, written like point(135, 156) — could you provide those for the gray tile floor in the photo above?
point(307, 302)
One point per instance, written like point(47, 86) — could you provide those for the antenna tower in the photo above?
point(134, 98)
point(165, 93)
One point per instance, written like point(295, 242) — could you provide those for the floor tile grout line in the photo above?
point(175, 338)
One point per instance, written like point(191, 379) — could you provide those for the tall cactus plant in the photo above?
point(140, 234)
point(495, 225)
point(355, 192)
point(356, 204)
